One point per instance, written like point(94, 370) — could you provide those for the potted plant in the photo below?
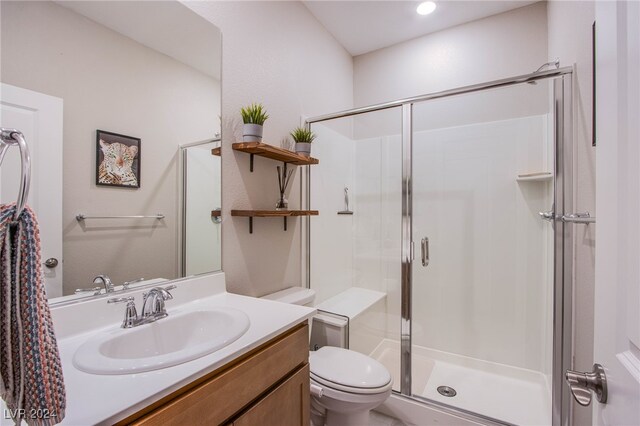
point(303, 138)
point(253, 117)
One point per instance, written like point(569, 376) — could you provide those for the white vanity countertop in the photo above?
point(106, 399)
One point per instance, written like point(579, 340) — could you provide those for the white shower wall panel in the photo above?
point(332, 236)
point(485, 291)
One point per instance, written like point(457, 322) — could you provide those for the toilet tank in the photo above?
point(326, 329)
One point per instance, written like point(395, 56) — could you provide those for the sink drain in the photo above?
point(447, 391)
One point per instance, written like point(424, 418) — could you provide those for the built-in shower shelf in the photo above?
point(535, 177)
point(272, 213)
point(274, 153)
point(216, 151)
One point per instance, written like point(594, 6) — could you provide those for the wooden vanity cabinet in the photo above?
point(288, 404)
point(267, 386)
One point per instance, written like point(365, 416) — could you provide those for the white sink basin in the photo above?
point(170, 341)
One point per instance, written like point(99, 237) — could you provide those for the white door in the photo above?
point(39, 118)
point(617, 296)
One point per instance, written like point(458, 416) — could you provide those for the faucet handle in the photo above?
point(126, 284)
point(131, 314)
point(95, 290)
point(121, 299)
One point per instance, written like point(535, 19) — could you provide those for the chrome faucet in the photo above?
point(153, 307)
point(153, 302)
point(105, 282)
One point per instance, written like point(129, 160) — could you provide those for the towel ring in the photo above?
point(15, 137)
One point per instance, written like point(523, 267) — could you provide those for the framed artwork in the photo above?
point(117, 160)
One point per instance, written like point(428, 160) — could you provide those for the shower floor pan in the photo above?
point(500, 391)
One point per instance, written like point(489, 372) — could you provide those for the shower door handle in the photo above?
point(424, 244)
point(583, 385)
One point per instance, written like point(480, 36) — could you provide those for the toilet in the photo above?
point(345, 385)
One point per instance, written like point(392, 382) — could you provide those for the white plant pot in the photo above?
point(252, 132)
point(303, 149)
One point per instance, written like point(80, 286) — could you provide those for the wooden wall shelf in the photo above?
point(274, 153)
point(216, 151)
point(272, 213)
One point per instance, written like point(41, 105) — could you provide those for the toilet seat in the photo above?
point(348, 371)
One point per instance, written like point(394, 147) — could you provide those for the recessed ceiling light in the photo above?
point(426, 8)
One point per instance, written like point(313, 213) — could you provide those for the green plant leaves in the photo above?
point(302, 135)
point(254, 114)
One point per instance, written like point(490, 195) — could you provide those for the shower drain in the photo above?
point(447, 391)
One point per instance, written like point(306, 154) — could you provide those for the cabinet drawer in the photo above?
point(286, 405)
point(222, 394)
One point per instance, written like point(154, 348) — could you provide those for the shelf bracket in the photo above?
point(251, 163)
point(251, 225)
point(285, 223)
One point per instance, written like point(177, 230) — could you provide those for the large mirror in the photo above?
point(120, 106)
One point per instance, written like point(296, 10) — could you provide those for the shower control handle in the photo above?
point(424, 244)
point(583, 384)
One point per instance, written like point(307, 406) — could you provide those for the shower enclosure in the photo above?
point(452, 269)
point(200, 197)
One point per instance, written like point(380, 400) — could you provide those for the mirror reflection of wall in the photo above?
point(117, 67)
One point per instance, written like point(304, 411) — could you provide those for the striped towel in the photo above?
point(31, 381)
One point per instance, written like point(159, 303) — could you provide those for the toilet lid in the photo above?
point(347, 368)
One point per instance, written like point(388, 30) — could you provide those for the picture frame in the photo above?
point(118, 160)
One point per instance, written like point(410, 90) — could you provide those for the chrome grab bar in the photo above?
point(581, 218)
point(577, 218)
point(81, 216)
point(425, 251)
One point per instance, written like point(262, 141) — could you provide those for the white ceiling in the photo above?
point(364, 26)
point(166, 26)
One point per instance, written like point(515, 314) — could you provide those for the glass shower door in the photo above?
point(355, 241)
point(483, 274)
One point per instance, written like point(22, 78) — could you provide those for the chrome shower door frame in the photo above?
point(563, 233)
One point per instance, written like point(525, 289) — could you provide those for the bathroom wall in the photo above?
point(570, 40)
point(499, 46)
point(110, 82)
point(276, 53)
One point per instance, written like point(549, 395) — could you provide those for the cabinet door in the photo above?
point(220, 397)
point(286, 405)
